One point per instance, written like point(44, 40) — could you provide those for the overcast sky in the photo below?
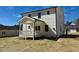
point(9, 15)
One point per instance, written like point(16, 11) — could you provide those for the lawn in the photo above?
point(14, 44)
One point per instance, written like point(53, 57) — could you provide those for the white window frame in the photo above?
point(28, 26)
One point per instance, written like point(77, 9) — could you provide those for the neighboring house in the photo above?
point(8, 31)
point(47, 23)
point(4, 33)
point(73, 27)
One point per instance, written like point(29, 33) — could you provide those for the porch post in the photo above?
point(34, 31)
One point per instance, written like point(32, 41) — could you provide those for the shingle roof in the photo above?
point(72, 24)
point(39, 10)
point(33, 19)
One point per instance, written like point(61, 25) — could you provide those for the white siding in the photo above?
point(53, 20)
point(73, 30)
point(50, 20)
point(26, 32)
point(24, 27)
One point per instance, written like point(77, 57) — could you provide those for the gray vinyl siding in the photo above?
point(60, 21)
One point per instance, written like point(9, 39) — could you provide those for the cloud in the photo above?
point(16, 15)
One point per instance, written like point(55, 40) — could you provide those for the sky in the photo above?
point(9, 15)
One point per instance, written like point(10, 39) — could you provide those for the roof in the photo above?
point(33, 19)
point(72, 24)
point(25, 18)
point(38, 20)
point(39, 10)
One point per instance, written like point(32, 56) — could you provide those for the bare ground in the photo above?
point(69, 43)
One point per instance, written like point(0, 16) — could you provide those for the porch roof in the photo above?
point(25, 18)
point(72, 24)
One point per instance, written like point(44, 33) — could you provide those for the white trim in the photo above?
point(27, 25)
point(26, 17)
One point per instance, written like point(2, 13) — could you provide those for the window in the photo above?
point(37, 28)
point(48, 12)
point(3, 33)
point(39, 15)
point(28, 27)
point(21, 27)
point(54, 29)
point(46, 27)
point(29, 15)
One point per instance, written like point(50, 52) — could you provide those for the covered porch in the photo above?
point(31, 27)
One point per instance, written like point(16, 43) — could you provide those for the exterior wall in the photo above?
point(25, 32)
point(49, 20)
point(60, 21)
point(9, 33)
point(73, 30)
point(55, 21)
point(42, 29)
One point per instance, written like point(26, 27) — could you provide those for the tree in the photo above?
point(14, 27)
point(67, 27)
point(68, 23)
point(77, 23)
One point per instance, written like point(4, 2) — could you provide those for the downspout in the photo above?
point(56, 19)
point(34, 30)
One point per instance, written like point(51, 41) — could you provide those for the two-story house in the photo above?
point(42, 23)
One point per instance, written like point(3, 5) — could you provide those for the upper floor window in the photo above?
point(48, 12)
point(29, 15)
point(39, 15)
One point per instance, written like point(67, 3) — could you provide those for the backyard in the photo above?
point(67, 43)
